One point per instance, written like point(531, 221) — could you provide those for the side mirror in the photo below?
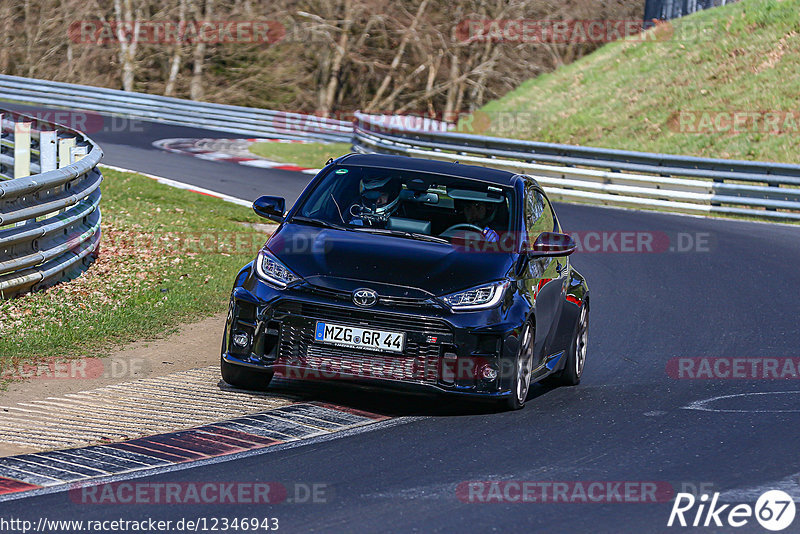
point(552, 244)
point(271, 208)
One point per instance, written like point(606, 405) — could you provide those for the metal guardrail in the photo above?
point(672, 9)
point(233, 119)
point(572, 173)
point(49, 203)
point(613, 177)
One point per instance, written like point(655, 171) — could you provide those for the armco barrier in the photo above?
point(49, 203)
point(613, 177)
point(572, 173)
point(233, 119)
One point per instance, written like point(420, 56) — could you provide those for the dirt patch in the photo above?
point(776, 54)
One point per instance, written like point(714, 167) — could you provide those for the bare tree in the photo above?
point(196, 90)
point(128, 42)
point(337, 55)
point(177, 50)
point(398, 56)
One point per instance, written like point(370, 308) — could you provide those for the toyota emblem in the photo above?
point(365, 298)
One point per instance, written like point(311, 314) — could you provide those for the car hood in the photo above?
point(393, 266)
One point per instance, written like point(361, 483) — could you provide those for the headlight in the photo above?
point(477, 298)
point(273, 271)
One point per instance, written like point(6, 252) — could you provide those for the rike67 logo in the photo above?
point(774, 510)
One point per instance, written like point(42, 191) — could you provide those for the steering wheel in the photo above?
point(461, 226)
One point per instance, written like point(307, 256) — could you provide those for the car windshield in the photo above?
point(408, 203)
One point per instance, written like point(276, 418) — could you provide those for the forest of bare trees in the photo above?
point(322, 56)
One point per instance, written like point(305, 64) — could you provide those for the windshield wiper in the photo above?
point(401, 233)
point(317, 222)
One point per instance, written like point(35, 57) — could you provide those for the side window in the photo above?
point(550, 215)
point(533, 211)
point(539, 215)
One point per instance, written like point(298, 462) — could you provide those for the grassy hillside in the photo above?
point(654, 95)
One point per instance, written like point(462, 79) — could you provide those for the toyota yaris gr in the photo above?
point(413, 274)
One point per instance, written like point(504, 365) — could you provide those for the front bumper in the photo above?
point(445, 352)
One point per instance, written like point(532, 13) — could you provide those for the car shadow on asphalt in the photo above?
point(391, 403)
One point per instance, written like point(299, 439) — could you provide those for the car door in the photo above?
point(544, 277)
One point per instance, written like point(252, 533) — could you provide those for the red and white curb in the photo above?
point(188, 187)
point(230, 150)
point(64, 469)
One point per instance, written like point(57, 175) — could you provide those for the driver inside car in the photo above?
point(481, 214)
point(379, 199)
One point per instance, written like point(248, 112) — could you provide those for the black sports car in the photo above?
point(411, 273)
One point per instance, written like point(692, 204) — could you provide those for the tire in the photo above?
point(522, 371)
point(576, 354)
point(243, 378)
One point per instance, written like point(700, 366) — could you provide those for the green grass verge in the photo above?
point(311, 155)
point(742, 57)
point(167, 257)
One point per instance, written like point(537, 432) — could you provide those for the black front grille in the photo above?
point(347, 296)
point(418, 363)
point(408, 302)
point(389, 321)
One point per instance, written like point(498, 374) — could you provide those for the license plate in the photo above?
point(360, 338)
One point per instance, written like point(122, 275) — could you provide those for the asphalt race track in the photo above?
point(736, 296)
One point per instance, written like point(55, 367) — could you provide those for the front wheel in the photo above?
point(243, 378)
point(522, 370)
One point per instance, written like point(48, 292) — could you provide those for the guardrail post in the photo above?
point(22, 149)
point(2, 136)
point(48, 157)
point(77, 152)
point(64, 147)
point(47, 151)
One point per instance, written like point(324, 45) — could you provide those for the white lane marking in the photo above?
point(262, 163)
point(790, 485)
point(181, 185)
point(215, 460)
point(231, 150)
point(703, 405)
point(213, 156)
point(720, 218)
point(165, 144)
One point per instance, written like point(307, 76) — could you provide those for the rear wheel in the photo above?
point(576, 354)
point(522, 370)
point(243, 377)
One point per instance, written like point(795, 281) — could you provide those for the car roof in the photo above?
point(474, 172)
